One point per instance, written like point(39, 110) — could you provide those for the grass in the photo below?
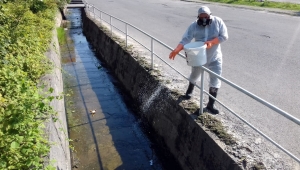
point(191, 107)
point(259, 166)
point(216, 127)
point(265, 4)
point(61, 35)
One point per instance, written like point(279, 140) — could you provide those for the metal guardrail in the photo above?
point(202, 91)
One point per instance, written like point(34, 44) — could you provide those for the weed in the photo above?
point(216, 127)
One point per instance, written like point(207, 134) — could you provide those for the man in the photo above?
point(213, 31)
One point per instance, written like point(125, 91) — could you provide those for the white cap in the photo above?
point(204, 9)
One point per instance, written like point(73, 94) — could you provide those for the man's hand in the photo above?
point(175, 51)
point(212, 42)
point(172, 55)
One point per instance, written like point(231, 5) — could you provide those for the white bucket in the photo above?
point(195, 53)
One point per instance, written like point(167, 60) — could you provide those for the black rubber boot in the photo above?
point(210, 105)
point(189, 91)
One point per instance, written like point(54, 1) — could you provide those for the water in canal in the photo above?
point(104, 132)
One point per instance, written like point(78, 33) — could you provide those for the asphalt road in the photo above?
point(261, 55)
point(289, 1)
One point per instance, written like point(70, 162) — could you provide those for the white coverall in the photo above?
point(217, 28)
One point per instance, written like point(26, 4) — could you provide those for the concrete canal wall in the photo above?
point(174, 128)
point(57, 131)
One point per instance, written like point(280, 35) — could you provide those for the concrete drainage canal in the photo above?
point(105, 133)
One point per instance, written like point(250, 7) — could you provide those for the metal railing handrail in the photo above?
point(244, 91)
point(262, 101)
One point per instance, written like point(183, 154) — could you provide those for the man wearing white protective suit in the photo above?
point(213, 31)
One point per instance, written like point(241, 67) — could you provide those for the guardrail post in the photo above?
point(152, 53)
point(201, 92)
point(126, 32)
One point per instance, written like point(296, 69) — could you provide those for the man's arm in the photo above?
point(223, 35)
point(186, 38)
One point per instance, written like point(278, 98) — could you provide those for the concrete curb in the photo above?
point(175, 130)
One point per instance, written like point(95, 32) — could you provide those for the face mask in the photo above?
point(203, 22)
